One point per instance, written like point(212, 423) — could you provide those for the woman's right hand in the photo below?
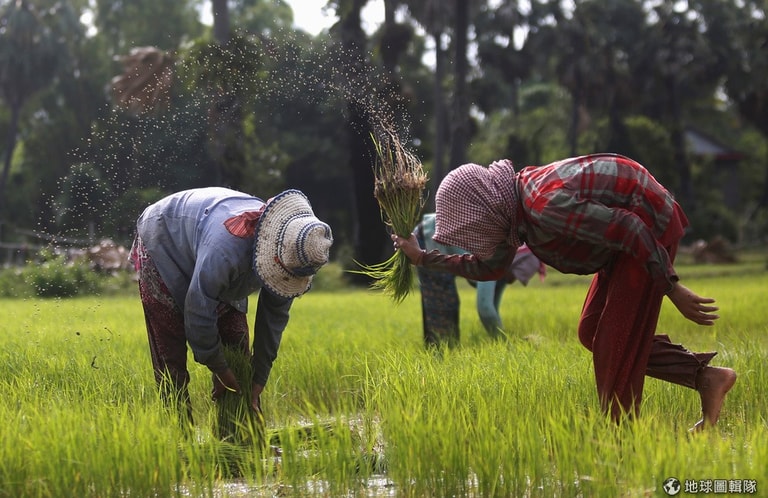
point(409, 246)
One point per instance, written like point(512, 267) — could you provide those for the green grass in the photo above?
point(357, 406)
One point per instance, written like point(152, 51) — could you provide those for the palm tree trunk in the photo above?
point(370, 237)
point(221, 29)
point(10, 146)
point(763, 203)
point(573, 129)
point(438, 168)
point(226, 114)
point(460, 118)
point(686, 195)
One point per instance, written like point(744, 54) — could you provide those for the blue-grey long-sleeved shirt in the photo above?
point(203, 265)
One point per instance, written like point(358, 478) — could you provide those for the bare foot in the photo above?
point(713, 384)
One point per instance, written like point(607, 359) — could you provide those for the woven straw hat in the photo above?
point(291, 244)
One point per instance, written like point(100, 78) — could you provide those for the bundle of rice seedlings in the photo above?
point(236, 422)
point(399, 188)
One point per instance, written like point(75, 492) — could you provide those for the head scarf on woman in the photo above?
point(476, 208)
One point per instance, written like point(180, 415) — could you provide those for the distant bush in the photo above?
point(13, 284)
point(52, 276)
point(330, 278)
point(57, 278)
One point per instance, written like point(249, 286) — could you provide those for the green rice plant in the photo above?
point(399, 187)
point(236, 421)
point(357, 407)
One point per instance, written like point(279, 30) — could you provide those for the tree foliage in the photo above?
point(267, 107)
point(29, 54)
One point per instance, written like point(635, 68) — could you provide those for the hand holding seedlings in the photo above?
point(256, 397)
point(224, 381)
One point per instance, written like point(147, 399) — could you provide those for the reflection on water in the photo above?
point(375, 487)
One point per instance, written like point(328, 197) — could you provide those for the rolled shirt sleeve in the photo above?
point(470, 266)
point(271, 319)
point(201, 317)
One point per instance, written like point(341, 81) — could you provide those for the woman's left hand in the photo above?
point(256, 391)
point(409, 246)
point(692, 306)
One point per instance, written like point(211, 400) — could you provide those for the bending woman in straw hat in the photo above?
point(200, 253)
point(603, 214)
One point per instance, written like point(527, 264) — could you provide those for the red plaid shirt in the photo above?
point(576, 214)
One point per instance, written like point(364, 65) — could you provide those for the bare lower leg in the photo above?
point(712, 383)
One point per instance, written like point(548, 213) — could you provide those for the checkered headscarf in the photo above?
point(476, 208)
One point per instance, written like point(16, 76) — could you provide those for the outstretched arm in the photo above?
point(464, 265)
point(692, 306)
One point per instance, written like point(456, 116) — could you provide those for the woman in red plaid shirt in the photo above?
point(600, 214)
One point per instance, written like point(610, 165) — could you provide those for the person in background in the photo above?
point(601, 214)
point(440, 299)
point(199, 254)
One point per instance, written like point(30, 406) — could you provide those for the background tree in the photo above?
point(82, 198)
point(164, 24)
point(268, 18)
point(226, 73)
point(369, 235)
point(29, 54)
point(592, 60)
point(460, 122)
point(435, 16)
point(683, 70)
point(746, 29)
point(506, 62)
point(543, 79)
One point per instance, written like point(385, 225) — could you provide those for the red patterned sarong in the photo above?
point(618, 324)
point(166, 333)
